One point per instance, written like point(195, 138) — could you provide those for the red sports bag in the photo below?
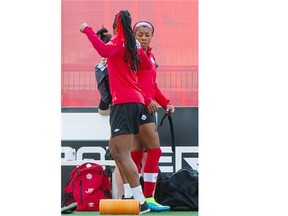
point(88, 184)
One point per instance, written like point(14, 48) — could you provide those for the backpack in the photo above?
point(179, 190)
point(102, 79)
point(87, 185)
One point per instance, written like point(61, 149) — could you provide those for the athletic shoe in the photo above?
point(144, 208)
point(69, 209)
point(154, 206)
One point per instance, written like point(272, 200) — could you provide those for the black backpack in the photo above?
point(179, 190)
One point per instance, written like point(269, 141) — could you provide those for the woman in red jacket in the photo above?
point(123, 59)
point(148, 137)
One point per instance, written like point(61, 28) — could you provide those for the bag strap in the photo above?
point(171, 129)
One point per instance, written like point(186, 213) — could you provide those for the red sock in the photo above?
point(151, 171)
point(137, 158)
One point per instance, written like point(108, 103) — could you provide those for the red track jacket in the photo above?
point(123, 81)
point(147, 82)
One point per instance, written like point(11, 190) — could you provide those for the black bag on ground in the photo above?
point(179, 190)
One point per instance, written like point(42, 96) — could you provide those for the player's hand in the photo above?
point(152, 108)
point(83, 26)
point(170, 109)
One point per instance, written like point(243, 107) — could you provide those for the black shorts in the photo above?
point(146, 117)
point(125, 118)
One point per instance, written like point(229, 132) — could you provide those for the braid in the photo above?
point(130, 55)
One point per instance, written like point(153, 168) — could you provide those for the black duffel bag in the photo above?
point(179, 190)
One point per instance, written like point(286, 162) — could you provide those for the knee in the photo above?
point(114, 154)
point(117, 154)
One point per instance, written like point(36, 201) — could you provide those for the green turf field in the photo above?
point(169, 213)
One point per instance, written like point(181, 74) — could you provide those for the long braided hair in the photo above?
point(123, 22)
